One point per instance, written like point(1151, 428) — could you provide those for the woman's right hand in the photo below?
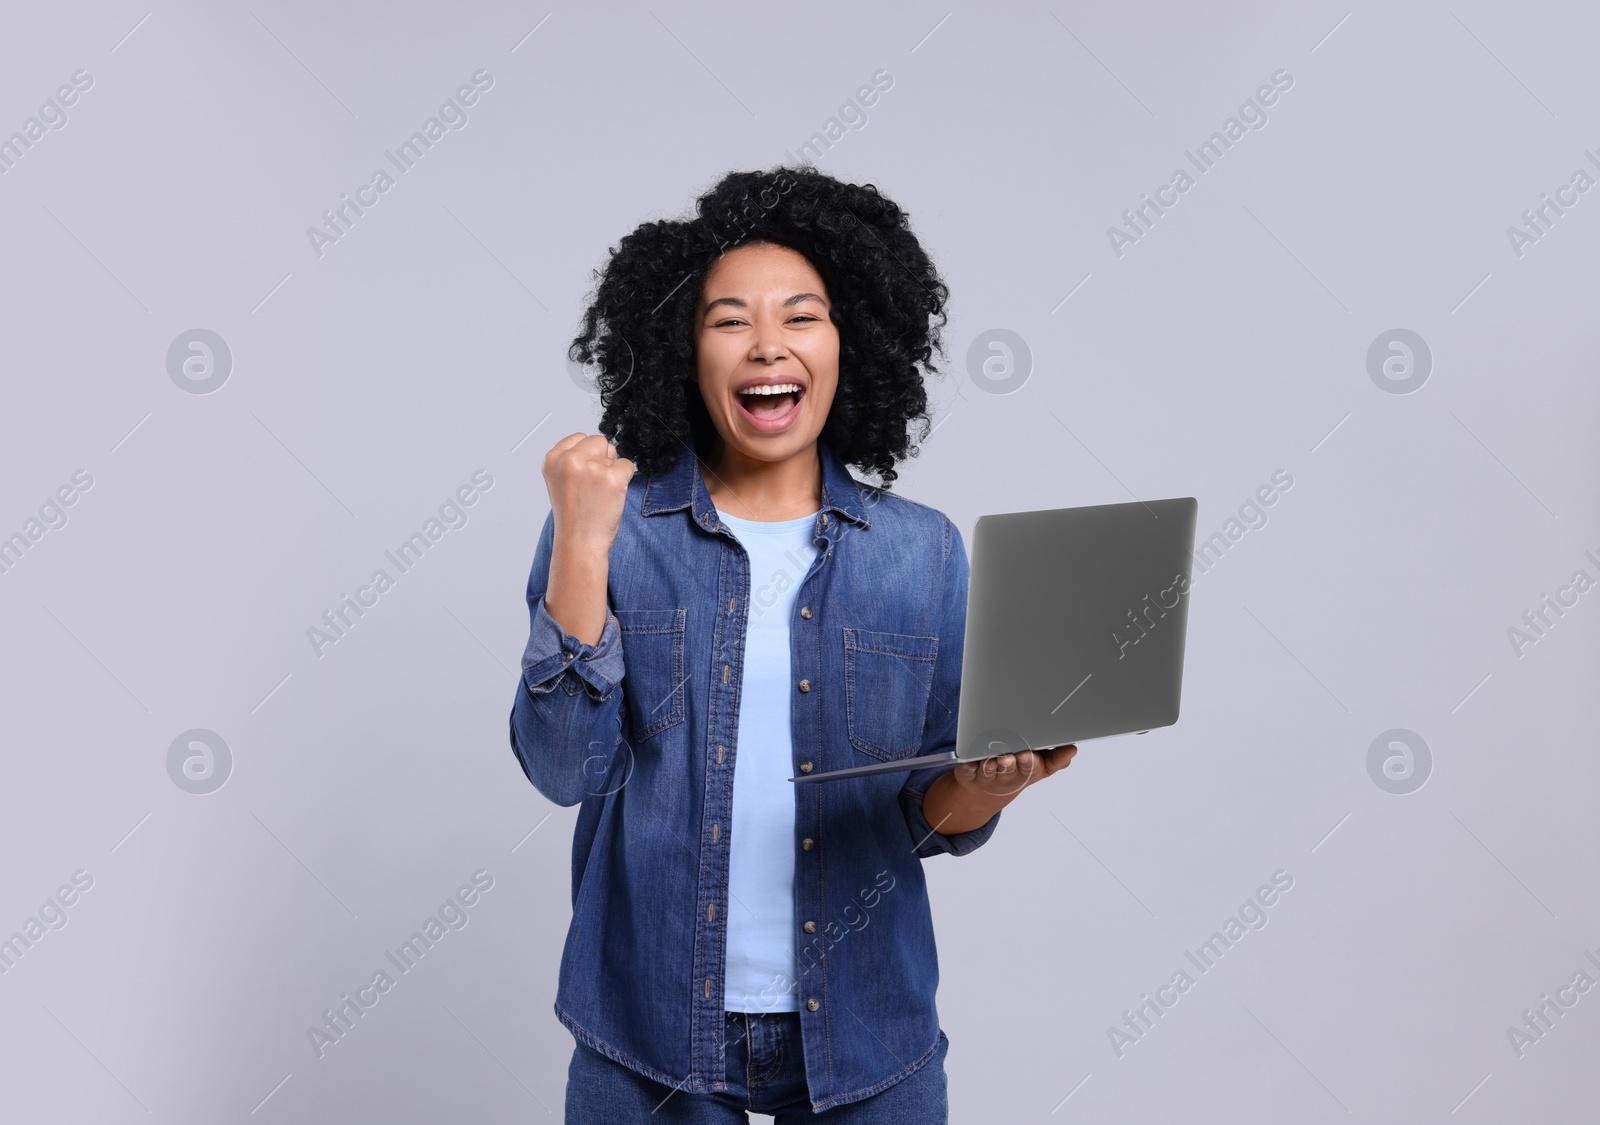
point(588, 485)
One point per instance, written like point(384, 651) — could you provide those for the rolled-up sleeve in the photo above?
point(939, 727)
point(552, 651)
point(927, 839)
point(568, 711)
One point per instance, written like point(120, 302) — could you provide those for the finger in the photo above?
point(1004, 783)
point(1058, 759)
point(559, 450)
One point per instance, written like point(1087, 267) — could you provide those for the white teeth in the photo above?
point(774, 389)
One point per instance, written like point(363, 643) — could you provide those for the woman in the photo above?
point(718, 605)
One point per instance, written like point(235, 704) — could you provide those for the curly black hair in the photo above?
point(888, 304)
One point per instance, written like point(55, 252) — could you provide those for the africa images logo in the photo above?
point(337, 622)
point(1138, 1020)
point(1251, 117)
point(340, 219)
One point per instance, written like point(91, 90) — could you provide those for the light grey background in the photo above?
point(369, 383)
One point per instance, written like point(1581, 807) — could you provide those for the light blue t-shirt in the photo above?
point(760, 965)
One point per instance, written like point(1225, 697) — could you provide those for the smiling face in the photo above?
point(766, 351)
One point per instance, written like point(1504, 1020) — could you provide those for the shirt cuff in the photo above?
point(928, 841)
point(552, 652)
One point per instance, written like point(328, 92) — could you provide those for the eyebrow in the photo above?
point(739, 302)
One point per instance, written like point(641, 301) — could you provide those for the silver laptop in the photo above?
point(1076, 619)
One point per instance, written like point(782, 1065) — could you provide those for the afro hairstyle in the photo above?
point(888, 303)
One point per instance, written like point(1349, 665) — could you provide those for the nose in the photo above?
point(766, 346)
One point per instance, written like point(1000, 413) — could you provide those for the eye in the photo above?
point(727, 321)
point(804, 316)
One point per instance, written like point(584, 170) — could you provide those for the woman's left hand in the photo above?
point(1009, 774)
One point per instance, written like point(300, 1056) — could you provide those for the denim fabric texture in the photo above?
point(765, 1074)
point(638, 731)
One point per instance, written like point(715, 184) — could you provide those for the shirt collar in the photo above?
point(681, 486)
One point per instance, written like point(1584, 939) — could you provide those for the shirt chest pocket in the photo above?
point(653, 676)
point(887, 678)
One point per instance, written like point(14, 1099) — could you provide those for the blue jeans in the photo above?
point(766, 1074)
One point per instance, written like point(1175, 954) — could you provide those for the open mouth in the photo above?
point(771, 406)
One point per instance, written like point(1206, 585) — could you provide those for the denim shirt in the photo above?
point(638, 729)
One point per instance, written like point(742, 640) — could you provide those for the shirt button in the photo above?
point(806, 843)
point(824, 519)
point(805, 685)
point(730, 605)
point(812, 1004)
point(811, 927)
point(805, 766)
point(805, 612)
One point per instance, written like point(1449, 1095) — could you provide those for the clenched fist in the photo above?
point(588, 484)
